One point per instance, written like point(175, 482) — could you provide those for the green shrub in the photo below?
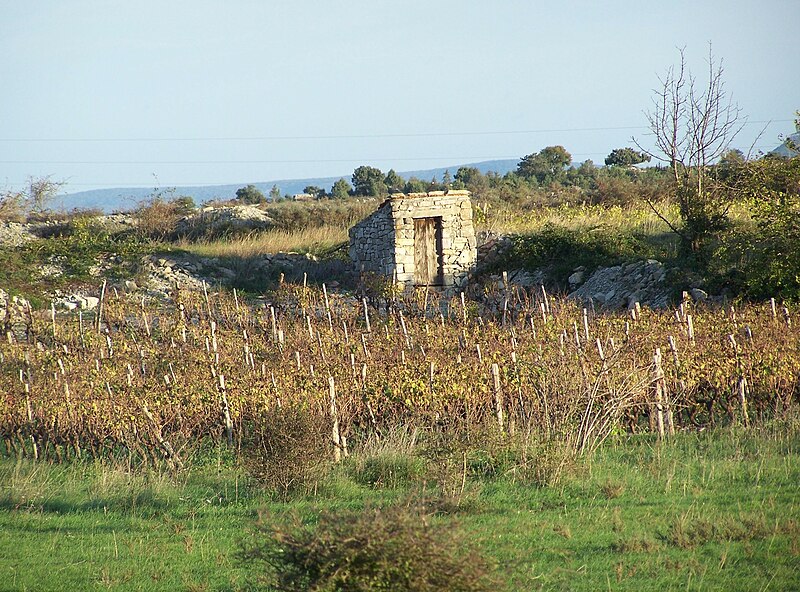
point(562, 250)
point(391, 549)
point(389, 469)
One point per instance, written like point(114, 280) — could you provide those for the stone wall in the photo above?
point(371, 242)
point(384, 241)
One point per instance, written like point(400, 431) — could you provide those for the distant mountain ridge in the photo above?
point(126, 198)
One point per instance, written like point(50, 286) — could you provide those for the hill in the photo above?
point(126, 198)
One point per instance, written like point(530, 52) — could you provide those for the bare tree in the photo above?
point(41, 191)
point(693, 125)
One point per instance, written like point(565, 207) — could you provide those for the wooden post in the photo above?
point(226, 410)
point(545, 301)
point(308, 324)
point(366, 315)
point(586, 324)
point(660, 394)
point(274, 323)
point(741, 383)
point(327, 307)
point(364, 345)
point(100, 306)
point(742, 391)
point(498, 395)
point(336, 436)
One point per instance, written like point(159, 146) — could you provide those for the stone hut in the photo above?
point(422, 239)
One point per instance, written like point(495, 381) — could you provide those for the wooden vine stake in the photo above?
point(100, 307)
point(366, 315)
point(741, 382)
point(226, 410)
point(663, 412)
point(337, 437)
point(498, 396)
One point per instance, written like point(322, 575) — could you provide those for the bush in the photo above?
point(393, 549)
point(292, 216)
point(562, 249)
point(389, 469)
point(12, 207)
point(157, 218)
point(287, 448)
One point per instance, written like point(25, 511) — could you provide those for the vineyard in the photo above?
point(145, 382)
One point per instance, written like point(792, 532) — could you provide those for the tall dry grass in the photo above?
point(307, 240)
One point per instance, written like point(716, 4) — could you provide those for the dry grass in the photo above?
point(308, 240)
point(634, 218)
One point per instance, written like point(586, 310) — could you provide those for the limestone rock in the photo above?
point(622, 286)
point(227, 220)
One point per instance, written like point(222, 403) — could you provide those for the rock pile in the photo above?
point(13, 310)
point(623, 286)
point(224, 221)
point(75, 301)
point(188, 271)
point(14, 234)
point(492, 247)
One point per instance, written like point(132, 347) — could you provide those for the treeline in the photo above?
point(549, 173)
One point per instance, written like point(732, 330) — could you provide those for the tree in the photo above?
point(340, 189)
point(585, 176)
point(317, 192)
point(368, 180)
point(626, 157)
point(692, 126)
point(772, 189)
point(415, 185)
point(393, 181)
point(33, 198)
point(447, 180)
point(184, 204)
point(250, 195)
point(467, 175)
point(434, 184)
point(547, 166)
point(275, 193)
point(41, 191)
point(730, 164)
point(471, 179)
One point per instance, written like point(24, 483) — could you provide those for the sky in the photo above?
point(108, 93)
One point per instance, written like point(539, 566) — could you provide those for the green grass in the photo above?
point(708, 511)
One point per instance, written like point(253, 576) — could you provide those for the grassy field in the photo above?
point(714, 510)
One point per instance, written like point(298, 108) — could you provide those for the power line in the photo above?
point(289, 161)
point(320, 137)
point(356, 136)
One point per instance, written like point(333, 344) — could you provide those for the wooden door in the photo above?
point(428, 251)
